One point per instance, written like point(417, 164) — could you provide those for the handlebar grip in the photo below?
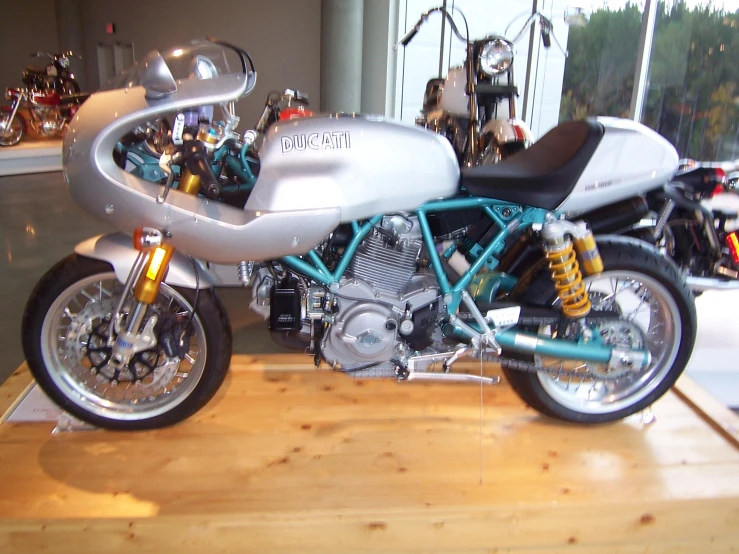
point(409, 36)
point(546, 38)
point(197, 162)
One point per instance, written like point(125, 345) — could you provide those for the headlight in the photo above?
point(496, 57)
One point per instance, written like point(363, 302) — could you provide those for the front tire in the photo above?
point(657, 312)
point(11, 133)
point(64, 339)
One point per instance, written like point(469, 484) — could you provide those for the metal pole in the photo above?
point(641, 73)
point(71, 36)
point(525, 116)
point(441, 42)
point(341, 55)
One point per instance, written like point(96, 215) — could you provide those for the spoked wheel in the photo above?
point(652, 309)
point(11, 132)
point(66, 330)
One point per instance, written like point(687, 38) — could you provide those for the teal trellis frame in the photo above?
point(524, 217)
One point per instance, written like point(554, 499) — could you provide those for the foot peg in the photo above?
point(451, 377)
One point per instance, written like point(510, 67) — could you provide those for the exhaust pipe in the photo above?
point(702, 284)
point(616, 218)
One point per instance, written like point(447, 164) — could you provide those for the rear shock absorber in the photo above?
point(564, 266)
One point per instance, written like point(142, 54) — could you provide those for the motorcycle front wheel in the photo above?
point(654, 310)
point(11, 132)
point(65, 340)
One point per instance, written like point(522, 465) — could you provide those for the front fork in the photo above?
point(144, 279)
point(16, 105)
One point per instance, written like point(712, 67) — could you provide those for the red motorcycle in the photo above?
point(49, 113)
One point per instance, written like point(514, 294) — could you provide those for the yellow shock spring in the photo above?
point(567, 279)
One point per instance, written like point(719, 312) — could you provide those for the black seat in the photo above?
point(31, 70)
point(543, 175)
point(76, 98)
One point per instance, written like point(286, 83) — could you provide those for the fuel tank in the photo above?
point(629, 160)
point(361, 165)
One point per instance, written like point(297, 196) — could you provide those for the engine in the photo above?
point(46, 121)
point(385, 306)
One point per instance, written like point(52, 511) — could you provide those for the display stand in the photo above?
point(31, 156)
point(289, 459)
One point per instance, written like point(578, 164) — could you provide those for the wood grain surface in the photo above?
point(314, 461)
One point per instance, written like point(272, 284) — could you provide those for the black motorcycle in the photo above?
point(676, 218)
point(55, 76)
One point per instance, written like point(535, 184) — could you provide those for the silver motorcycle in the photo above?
point(351, 259)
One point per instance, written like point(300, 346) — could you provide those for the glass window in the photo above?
point(599, 71)
point(693, 88)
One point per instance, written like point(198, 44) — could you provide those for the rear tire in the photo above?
point(667, 286)
point(62, 323)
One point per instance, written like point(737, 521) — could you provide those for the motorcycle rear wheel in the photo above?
point(64, 330)
point(657, 311)
point(17, 130)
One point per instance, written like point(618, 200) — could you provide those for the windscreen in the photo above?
point(200, 59)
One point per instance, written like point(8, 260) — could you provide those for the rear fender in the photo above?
point(505, 131)
point(117, 249)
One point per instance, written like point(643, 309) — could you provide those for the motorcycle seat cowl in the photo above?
point(31, 70)
point(542, 175)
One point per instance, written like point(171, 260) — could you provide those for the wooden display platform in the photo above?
point(314, 461)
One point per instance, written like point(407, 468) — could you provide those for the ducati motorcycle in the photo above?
point(347, 259)
point(463, 106)
point(55, 76)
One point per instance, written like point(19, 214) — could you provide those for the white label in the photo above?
point(504, 317)
point(36, 406)
point(178, 129)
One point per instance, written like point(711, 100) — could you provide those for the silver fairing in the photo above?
point(630, 159)
point(301, 195)
point(363, 166)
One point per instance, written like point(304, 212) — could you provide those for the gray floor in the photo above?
point(39, 225)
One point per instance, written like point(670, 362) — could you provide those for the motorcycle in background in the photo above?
point(55, 76)
point(679, 218)
point(128, 332)
point(463, 106)
point(49, 113)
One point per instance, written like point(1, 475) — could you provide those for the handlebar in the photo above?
point(67, 54)
point(424, 17)
point(197, 162)
point(409, 35)
point(546, 29)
